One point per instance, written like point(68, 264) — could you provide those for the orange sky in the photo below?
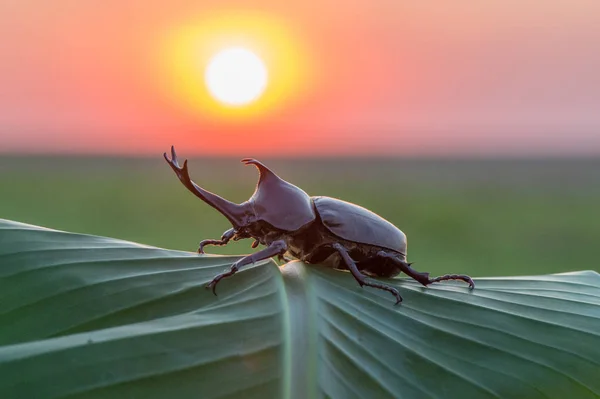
point(388, 77)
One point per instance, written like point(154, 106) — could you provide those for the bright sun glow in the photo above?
point(234, 67)
point(236, 76)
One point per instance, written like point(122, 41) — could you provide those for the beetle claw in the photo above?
point(214, 282)
point(213, 285)
point(397, 295)
point(218, 277)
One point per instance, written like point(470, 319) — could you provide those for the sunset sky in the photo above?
point(349, 77)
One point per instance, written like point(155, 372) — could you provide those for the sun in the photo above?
point(234, 67)
point(236, 76)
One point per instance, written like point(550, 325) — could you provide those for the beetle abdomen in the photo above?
point(355, 223)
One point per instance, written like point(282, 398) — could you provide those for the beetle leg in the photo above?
point(462, 277)
point(228, 235)
point(424, 278)
point(276, 248)
point(361, 278)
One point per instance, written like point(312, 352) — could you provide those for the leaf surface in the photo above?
point(92, 317)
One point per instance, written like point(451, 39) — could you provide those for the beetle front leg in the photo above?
point(361, 278)
point(225, 238)
point(424, 278)
point(276, 248)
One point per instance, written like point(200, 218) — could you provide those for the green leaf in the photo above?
point(92, 317)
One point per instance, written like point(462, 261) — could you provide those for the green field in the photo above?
point(481, 217)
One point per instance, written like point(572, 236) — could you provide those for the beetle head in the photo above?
point(278, 202)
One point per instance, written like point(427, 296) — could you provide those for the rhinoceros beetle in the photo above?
point(318, 230)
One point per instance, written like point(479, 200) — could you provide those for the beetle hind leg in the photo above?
point(361, 278)
point(462, 277)
point(423, 277)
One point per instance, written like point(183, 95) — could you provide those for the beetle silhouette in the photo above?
point(317, 230)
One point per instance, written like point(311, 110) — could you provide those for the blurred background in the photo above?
point(472, 126)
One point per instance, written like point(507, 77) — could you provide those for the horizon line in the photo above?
point(453, 156)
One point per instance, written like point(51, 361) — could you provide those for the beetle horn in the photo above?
point(267, 178)
point(232, 211)
point(263, 171)
point(278, 202)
